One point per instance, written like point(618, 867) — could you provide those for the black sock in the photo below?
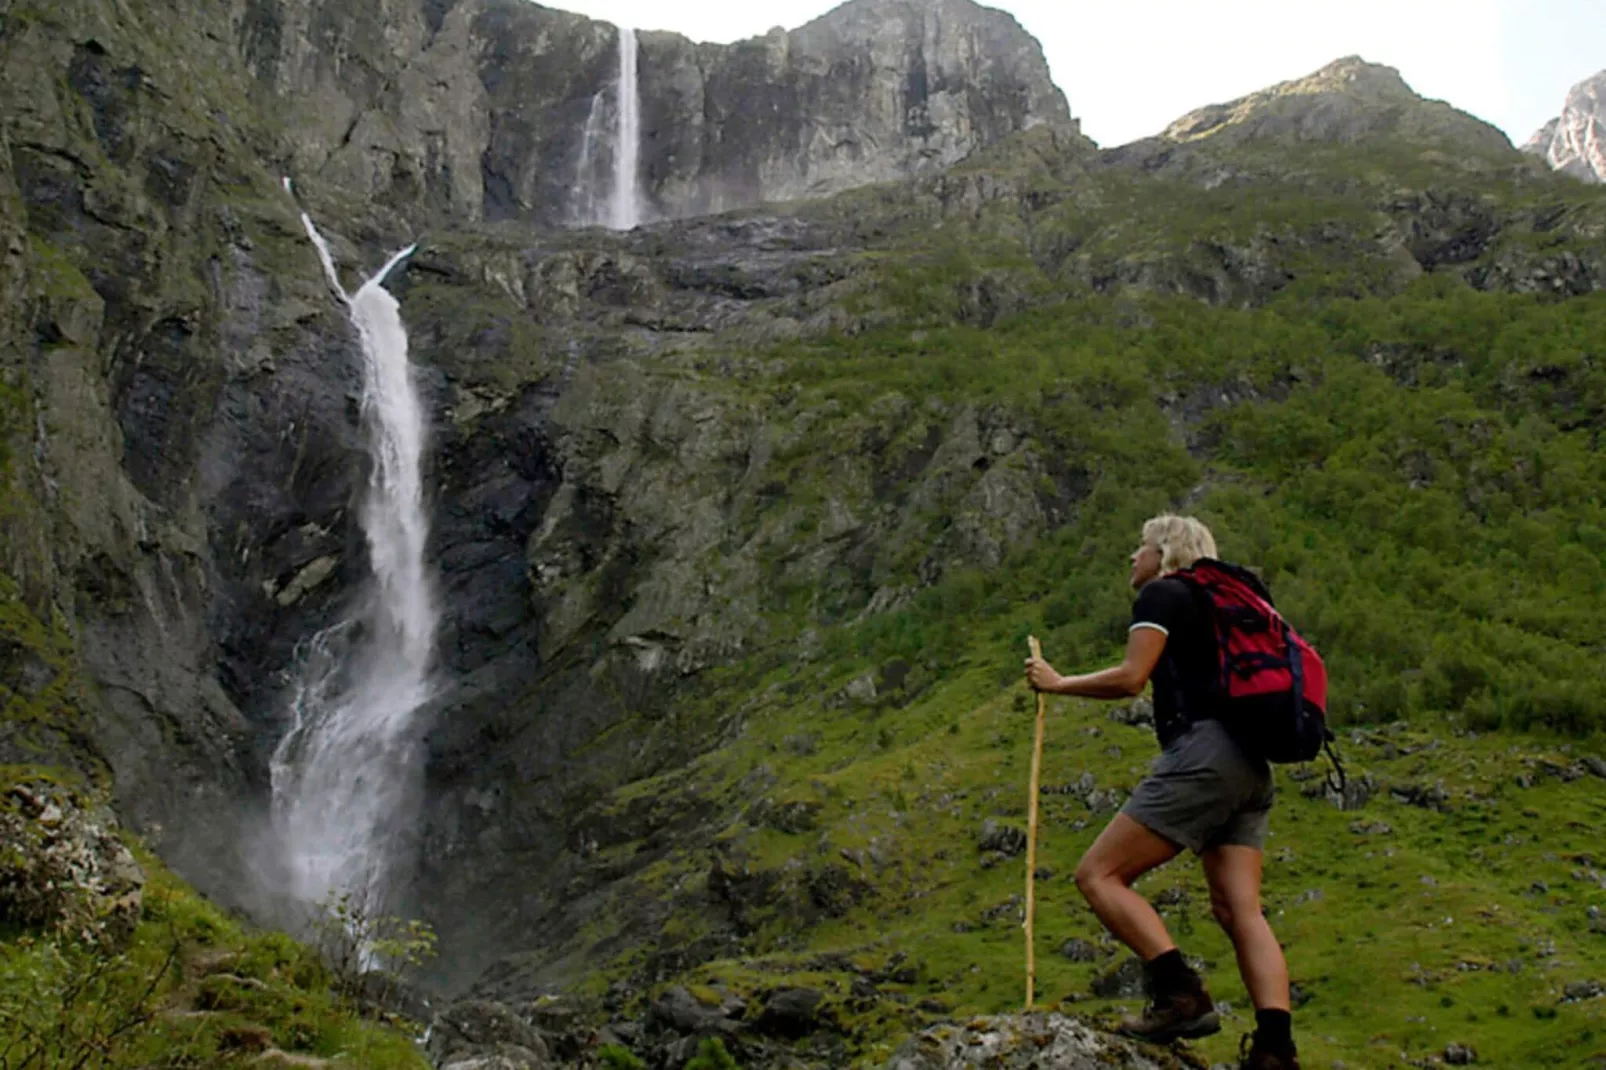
point(1169, 972)
point(1275, 1029)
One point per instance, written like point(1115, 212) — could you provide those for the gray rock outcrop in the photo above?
point(63, 866)
point(1575, 141)
point(503, 109)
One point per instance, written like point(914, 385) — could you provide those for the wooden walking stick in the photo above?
point(1031, 834)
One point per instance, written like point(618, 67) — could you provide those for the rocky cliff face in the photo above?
point(502, 109)
point(1575, 141)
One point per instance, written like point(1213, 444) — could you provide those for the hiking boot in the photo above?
point(1189, 1013)
point(1254, 1055)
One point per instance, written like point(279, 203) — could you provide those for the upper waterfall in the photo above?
point(624, 213)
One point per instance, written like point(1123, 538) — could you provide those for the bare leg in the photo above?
point(1124, 851)
point(1234, 875)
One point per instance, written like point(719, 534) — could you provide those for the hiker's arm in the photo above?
point(1143, 648)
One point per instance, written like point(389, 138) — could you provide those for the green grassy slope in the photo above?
point(1418, 477)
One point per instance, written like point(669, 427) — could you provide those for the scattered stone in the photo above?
point(1104, 801)
point(1459, 1055)
point(1595, 765)
point(1578, 991)
point(1358, 791)
point(1022, 1042)
point(1005, 839)
point(1426, 797)
point(1011, 908)
point(1138, 713)
point(1078, 950)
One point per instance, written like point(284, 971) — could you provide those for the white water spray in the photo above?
point(585, 183)
point(346, 775)
point(624, 212)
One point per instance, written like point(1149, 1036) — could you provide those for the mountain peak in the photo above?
point(1575, 141)
point(1346, 101)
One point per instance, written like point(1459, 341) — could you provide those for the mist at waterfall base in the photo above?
point(347, 775)
point(607, 179)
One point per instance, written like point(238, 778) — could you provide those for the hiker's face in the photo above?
point(1145, 564)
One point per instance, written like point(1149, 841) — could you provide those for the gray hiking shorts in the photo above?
point(1205, 792)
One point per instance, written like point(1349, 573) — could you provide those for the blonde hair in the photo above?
point(1181, 540)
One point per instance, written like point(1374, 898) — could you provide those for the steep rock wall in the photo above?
point(1575, 141)
point(481, 108)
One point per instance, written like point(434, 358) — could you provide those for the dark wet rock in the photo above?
point(791, 1013)
point(682, 1012)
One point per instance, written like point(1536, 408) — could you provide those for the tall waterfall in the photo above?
point(607, 187)
point(624, 212)
point(346, 776)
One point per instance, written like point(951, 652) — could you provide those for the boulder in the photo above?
point(791, 1013)
point(63, 866)
point(486, 1035)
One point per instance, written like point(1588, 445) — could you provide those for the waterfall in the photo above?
point(346, 775)
point(624, 212)
point(585, 182)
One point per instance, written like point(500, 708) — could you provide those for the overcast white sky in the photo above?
point(1130, 68)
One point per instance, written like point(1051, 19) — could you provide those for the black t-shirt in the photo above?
point(1185, 686)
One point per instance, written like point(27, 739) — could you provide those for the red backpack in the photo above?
point(1273, 685)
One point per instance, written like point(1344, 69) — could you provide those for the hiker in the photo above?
point(1205, 793)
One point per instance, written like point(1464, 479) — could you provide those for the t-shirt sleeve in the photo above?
point(1161, 605)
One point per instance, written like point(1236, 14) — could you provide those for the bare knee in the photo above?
point(1090, 877)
